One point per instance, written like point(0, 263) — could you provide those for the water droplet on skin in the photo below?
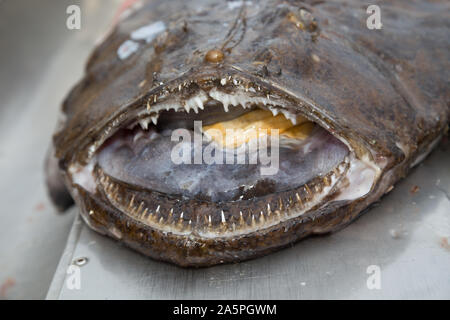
point(315, 58)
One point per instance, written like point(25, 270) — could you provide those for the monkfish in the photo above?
point(209, 132)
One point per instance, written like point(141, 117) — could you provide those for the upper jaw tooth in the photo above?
point(238, 98)
point(144, 123)
point(274, 111)
point(199, 104)
point(196, 102)
point(289, 116)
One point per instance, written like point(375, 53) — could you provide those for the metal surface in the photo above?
point(406, 235)
point(40, 61)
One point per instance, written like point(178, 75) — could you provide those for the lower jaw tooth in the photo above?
point(341, 167)
point(137, 136)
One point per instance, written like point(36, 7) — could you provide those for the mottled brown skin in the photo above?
point(378, 89)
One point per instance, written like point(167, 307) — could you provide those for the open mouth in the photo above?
point(190, 162)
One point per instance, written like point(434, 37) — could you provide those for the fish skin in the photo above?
point(385, 91)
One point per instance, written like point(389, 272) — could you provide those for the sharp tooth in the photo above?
point(293, 120)
point(223, 81)
point(223, 217)
point(289, 116)
point(144, 123)
point(274, 111)
point(199, 104)
point(224, 100)
point(137, 136)
point(234, 101)
point(154, 119)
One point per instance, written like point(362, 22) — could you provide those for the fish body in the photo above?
point(383, 95)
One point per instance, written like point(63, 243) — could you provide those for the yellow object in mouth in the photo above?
point(300, 131)
point(258, 123)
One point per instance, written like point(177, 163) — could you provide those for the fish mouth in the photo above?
point(130, 163)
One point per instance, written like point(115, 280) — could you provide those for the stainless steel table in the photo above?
point(40, 60)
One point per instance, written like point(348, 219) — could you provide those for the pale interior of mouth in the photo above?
point(144, 158)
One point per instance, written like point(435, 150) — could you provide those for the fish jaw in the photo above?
point(194, 251)
point(235, 232)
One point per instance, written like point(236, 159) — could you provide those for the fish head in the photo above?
point(143, 145)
